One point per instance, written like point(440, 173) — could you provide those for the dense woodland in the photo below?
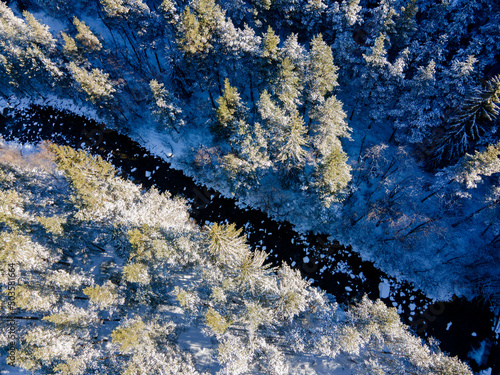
point(113, 279)
point(375, 121)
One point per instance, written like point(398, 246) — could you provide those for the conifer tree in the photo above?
point(26, 54)
point(85, 36)
point(114, 8)
point(471, 121)
point(169, 10)
point(198, 28)
point(407, 24)
point(330, 125)
point(295, 52)
point(287, 85)
point(227, 246)
point(322, 71)
point(270, 112)
point(249, 159)
point(95, 84)
point(378, 53)
point(103, 296)
point(39, 33)
point(252, 272)
point(230, 110)
point(483, 163)
point(351, 11)
point(70, 48)
point(270, 41)
point(165, 110)
point(332, 176)
point(291, 292)
point(290, 145)
point(191, 39)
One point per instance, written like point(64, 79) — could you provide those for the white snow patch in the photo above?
point(384, 288)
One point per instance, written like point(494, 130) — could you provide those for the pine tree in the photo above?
point(252, 271)
point(191, 39)
point(87, 180)
point(408, 24)
point(230, 110)
point(249, 159)
point(227, 246)
point(198, 29)
point(216, 322)
point(70, 48)
point(271, 113)
point(26, 52)
point(70, 316)
point(114, 8)
point(290, 145)
point(483, 163)
point(39, 33)
point(95, 83)
point(43, 346)
point(471, 121)
point(130, 336)
point(34, 299)
point(378, 53)
point(332, 176)
point(235, 355)
point(103, 296)
point(351, 11)
point(137, 273)
point(209, 15)
point(164, 107)
point(85, 36)
point(169, 10)
point(270, 42)
point(292, 292)
point(17, 248)
point(295, 52)
point(322, 71)
point(330, 125)
point(287, 85)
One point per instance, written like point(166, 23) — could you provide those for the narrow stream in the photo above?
point(461, 326)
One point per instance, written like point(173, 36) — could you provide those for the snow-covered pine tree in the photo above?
point(164, 107)
point(472, 120)
point(95, 83)
point(287, 86)
point(322, 71)
point(86, 37)
point(329, 125)
point(332, 176)
point(291, 142)
point(230, 111)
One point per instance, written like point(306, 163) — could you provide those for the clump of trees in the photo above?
point(109, 278)
point(266, 96)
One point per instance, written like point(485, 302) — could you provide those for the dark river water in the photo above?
point(461, 326)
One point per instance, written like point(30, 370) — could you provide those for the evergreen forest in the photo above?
point(374, 122)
